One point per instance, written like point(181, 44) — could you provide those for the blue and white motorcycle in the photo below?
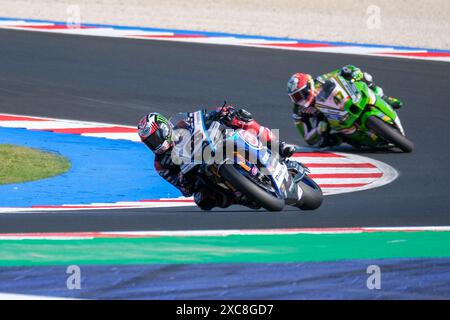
point(236, 163)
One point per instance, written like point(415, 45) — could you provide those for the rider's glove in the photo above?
point(227, 113)
point(232, 117)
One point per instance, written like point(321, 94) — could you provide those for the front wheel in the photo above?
point(389, 133)
point(250, 189)
point(312, 197)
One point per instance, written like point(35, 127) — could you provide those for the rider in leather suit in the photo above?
point(156, 133)
point(312, 125)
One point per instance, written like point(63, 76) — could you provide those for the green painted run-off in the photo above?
point(233, 249)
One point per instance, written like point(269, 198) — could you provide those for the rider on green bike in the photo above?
point(311, 124)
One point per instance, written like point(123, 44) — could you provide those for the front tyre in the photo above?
point(312, 197)
point(250, 189)
point(389, 133)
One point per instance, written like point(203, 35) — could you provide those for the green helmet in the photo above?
point(156, 132)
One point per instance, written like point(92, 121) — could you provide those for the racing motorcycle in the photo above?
point(355, 113)
point(236, 163)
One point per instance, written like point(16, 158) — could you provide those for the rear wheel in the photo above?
point(312, 197)
point(250, 189)
point(389, 133)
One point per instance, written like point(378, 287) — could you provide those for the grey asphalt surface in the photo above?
point(118, 81)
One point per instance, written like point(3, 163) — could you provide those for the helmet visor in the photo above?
point(154, 141)
point(301, 96)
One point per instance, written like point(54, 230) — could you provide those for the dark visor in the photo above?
point(300, 95)
point(154, 141)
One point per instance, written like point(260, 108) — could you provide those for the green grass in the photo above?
point(21, 164)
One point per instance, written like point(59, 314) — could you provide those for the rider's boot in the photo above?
point(330, 140)
point(207, 199)
point(393, 102)
point(246, 203)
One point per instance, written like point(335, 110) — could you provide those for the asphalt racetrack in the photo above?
point(119, 80)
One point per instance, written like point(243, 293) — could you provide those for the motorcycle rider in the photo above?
point(156, 132)
point(312, 125)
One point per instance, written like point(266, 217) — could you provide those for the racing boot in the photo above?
point(330, 140)
point(243, 201)
point(393, 102)
point(207, 199)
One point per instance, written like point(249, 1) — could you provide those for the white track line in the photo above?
point(213, 233)
point(114, 136)
point(14, 296)
point(234, 40)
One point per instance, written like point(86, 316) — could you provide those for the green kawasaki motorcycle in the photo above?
point(359, 116)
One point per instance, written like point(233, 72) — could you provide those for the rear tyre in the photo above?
point(250, 189)
point(312, 197)
point(389, 133)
